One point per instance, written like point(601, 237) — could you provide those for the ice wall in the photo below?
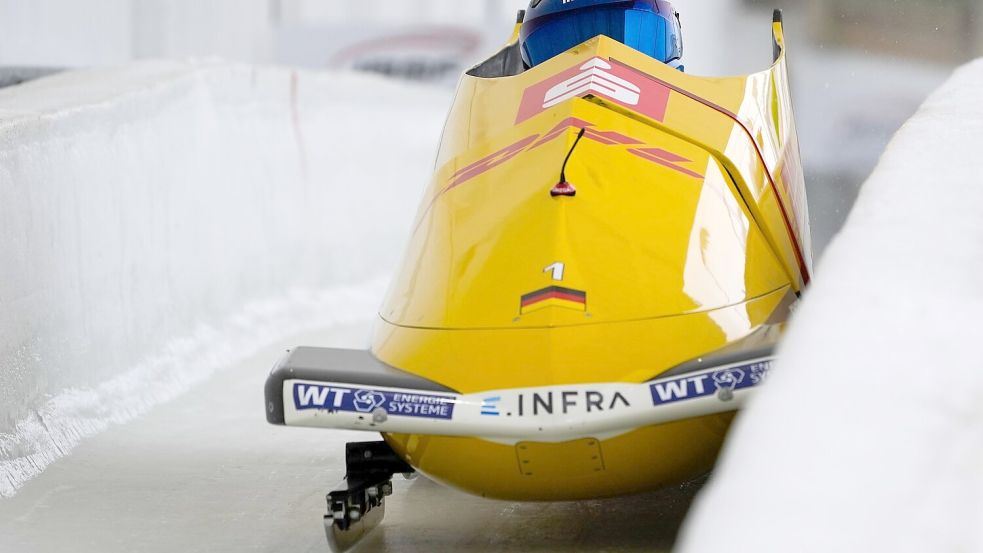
point(161, 220)
point(868, 435)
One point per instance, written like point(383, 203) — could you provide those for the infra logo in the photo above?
point(489, 406)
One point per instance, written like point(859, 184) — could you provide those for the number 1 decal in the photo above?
point(557, 269)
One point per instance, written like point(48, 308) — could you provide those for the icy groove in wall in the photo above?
point(149, 212)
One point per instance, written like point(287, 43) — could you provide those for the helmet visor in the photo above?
point(644, 30)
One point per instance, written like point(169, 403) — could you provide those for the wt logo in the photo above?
point(367, 401)
point(679, 389)
point(723, 383)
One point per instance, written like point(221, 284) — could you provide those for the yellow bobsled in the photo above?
point(597, 277)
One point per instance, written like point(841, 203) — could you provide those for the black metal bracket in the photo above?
point(776, 17)
point(370, 467)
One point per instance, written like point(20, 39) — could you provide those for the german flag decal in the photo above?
point(554, 296)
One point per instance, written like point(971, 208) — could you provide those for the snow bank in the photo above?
point(869, 437)
point(162, 220)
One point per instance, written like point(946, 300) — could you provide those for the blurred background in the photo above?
point(859, 67)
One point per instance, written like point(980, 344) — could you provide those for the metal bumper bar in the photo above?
point(351, 390)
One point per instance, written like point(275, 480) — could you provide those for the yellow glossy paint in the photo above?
point(688, 234)
point(647, 458)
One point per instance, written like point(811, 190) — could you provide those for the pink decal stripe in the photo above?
point(490, 162)
point(664, 162)
point(662, 154)
point(560, 128)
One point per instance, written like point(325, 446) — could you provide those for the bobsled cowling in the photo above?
point(517, 314)
point(688, 228)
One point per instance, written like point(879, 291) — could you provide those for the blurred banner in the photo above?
point(940, 30)
point(949, 31)
point(431, 53)
point(422, 40)
point(429, 40)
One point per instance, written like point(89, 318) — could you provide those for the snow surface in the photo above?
point(162, 220)
point(868, 435)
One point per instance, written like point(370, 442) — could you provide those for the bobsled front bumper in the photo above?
point(351, 390)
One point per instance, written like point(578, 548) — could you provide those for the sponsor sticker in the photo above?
point(721, 383)
point(597, 77)
point(368, 401)
point(550, 402)
point(489, 406)
point(553, 296)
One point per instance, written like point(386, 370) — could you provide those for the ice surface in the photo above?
point(205, 473)
point(868, 435)
point(161, 220)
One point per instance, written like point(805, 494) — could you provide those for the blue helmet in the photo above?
point(552, 27)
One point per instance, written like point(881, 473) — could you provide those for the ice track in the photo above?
point(206, 473)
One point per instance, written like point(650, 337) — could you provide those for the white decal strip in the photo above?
point(549, 414)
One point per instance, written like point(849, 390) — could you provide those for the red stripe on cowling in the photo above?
point(796, 247)
point(560, 128)
point(642, 154)
point(663, 154)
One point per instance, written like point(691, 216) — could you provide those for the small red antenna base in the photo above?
point(563, 189)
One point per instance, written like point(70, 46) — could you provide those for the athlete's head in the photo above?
point(552, 27)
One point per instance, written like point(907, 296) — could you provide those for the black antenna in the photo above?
point(775, 48)
point(563, 170)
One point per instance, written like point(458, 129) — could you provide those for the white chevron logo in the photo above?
point(594, 78)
